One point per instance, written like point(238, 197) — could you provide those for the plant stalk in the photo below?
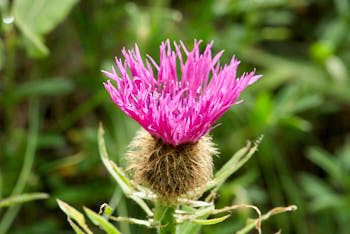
point(164, 215)
point(8, 82)
point(28, 161)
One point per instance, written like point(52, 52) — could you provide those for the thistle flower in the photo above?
point(174, 154)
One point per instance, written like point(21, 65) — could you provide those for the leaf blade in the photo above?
point(74, 214)
point(210, 221)
point(37, 18)
point(22, 198)
point(101, 222)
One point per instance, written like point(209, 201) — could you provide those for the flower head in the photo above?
point(176, 108)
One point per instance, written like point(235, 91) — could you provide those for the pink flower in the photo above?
point(176, 108)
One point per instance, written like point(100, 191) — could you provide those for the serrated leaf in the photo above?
point(73, 214)
point(36, 18)
point(22, 198)
point(210, 221)
point(100, 221)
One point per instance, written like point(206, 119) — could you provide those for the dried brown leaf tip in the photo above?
point(171, 171)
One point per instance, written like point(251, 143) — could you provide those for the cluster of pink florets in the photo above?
point(177, 108)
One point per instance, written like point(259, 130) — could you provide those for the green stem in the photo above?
point(0, 184)
point(164, 215)
point(11, 213)
point(8, 82)
point(123, 211)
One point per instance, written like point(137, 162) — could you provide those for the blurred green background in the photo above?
point(52, 100)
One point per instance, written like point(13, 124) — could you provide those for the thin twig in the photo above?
point(274, 211)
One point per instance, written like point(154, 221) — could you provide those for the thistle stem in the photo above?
point(8, 82)
point(164, 215)
point(28, 162)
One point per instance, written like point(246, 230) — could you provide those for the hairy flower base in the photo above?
point(171, 171)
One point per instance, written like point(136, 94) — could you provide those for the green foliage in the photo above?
point(37, 18)
point(100, 221)
point(22, 198)
point(51, 86)
point(330, 194)
point(75, 215)
point(301, 106)
point(190, 214)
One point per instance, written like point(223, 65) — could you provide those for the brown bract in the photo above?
point(171, 171)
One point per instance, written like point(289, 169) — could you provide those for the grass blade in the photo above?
point(22, 198)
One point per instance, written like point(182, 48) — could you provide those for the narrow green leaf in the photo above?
point(133, 221)
point(314, 186)
point(121, 174)
point(308, 102)
point(188, 228)
point(73, 214)
point(194, 227)
point(326, 161)
point(22, 198)
point(74, 226)
point(323, 197)
point(113, 169)
point(296, 122)
point(1, 55)
point(100, 221)
point(236, 162)
point(29, 158)
point(232, 162)
point(118, 173)
point(343, 155)
point(210, 221)
point(49, 86)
